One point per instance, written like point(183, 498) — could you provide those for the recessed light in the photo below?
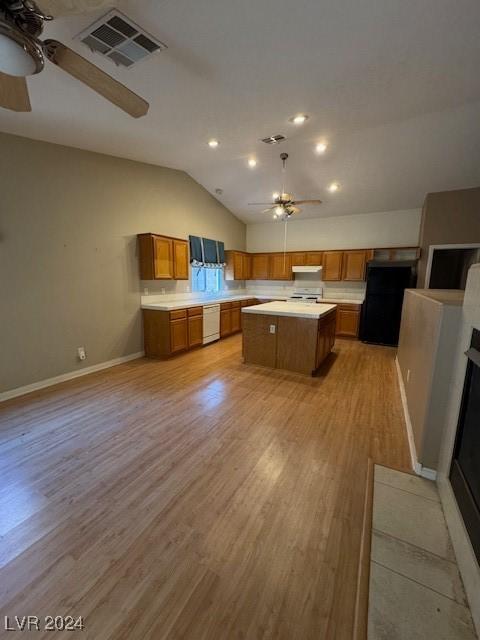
point(252, 163)
point(321, 147)
point(213, 144)
point(334, 187)
point(300, 118)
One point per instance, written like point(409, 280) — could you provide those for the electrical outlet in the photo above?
point(145, 291)
point(82, 354)
point(272, 328)
point(408, 375)
point(162, 291)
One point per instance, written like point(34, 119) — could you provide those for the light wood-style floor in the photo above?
point(198, 498)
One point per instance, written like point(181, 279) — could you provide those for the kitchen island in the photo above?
point(288, 335)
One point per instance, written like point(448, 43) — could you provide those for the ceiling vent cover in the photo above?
point(274, 139)
point(117, 37)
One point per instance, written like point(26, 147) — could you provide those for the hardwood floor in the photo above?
point(196, 498)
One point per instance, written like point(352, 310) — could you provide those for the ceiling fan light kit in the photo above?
point(23, 53)
point(284, 205)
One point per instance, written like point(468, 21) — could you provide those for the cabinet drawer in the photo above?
point(178, 314)
point(225, 305)
point(195, 311)
point(349, 307)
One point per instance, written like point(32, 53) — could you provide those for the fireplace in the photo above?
point(465, 469)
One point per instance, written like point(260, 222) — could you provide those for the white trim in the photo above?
point(416, 466)
point(41, 384)
point(419, 469)
point(432, 248)
point(429, 474)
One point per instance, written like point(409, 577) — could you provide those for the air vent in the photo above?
point(117, 37)
point(274, 139)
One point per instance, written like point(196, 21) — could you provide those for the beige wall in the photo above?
point(362, 231)
point(68, 263)
point(448, 217)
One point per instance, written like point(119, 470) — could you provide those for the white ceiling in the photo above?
point(393, 85)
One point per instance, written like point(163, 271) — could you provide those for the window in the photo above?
point(207, 280)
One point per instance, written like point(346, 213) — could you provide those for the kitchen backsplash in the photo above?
point(170, 290)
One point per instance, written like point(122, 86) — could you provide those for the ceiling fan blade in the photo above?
point(14, 93)
point(292, 209)
point(267, 210)
point(60, 8)
point(307, 202)
point(95, 78)
point(260, 204)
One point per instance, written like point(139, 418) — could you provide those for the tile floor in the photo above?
point(416, 592)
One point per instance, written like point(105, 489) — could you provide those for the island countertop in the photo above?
point(291, 309)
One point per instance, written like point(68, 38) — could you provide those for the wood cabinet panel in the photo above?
point(195, 311)
point(178, 335)
point(313, 258)
point(178, 314)
point(298, 259)
point(332, 265)
point(180, 259)
point(354, 265)
point(280, 267)
point(260, 266)
point(259, 345)
point(225, 322)
point(162, 258)
point(235, 320)
point(195, 331)
point(247, 266)
point(348, 322)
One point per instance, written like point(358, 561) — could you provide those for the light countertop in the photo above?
point(452, 297)
point(292, 309)
point(200, 302)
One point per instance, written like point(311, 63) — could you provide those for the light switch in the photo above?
point(272, 328)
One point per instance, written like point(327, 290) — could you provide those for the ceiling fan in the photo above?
point(283, 205)
point(23, 53)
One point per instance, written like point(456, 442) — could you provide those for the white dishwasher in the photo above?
point(211, 323)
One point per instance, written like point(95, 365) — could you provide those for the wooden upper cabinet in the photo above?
point(180, 259)
point(280, 266)
point(260, 266)
point(298, 259)
point(247, 266)
point(238, 265)
point(314, 258)
point(162, 257)
point(332, 265)
point(354, 265)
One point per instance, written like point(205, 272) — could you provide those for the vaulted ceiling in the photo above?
point(392, 85)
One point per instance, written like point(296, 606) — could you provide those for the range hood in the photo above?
point(308, 269)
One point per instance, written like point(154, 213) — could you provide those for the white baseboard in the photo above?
point(41, 384)
point(419, 469)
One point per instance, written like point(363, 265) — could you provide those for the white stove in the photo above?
point(307, 296)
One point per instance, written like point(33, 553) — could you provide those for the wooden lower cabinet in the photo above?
point(236, 323)
point(178, 335)
point(195, 331)
point(348, 320)
point(230, 318)
point(225, 323)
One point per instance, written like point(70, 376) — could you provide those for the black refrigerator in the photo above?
point(382, 309)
